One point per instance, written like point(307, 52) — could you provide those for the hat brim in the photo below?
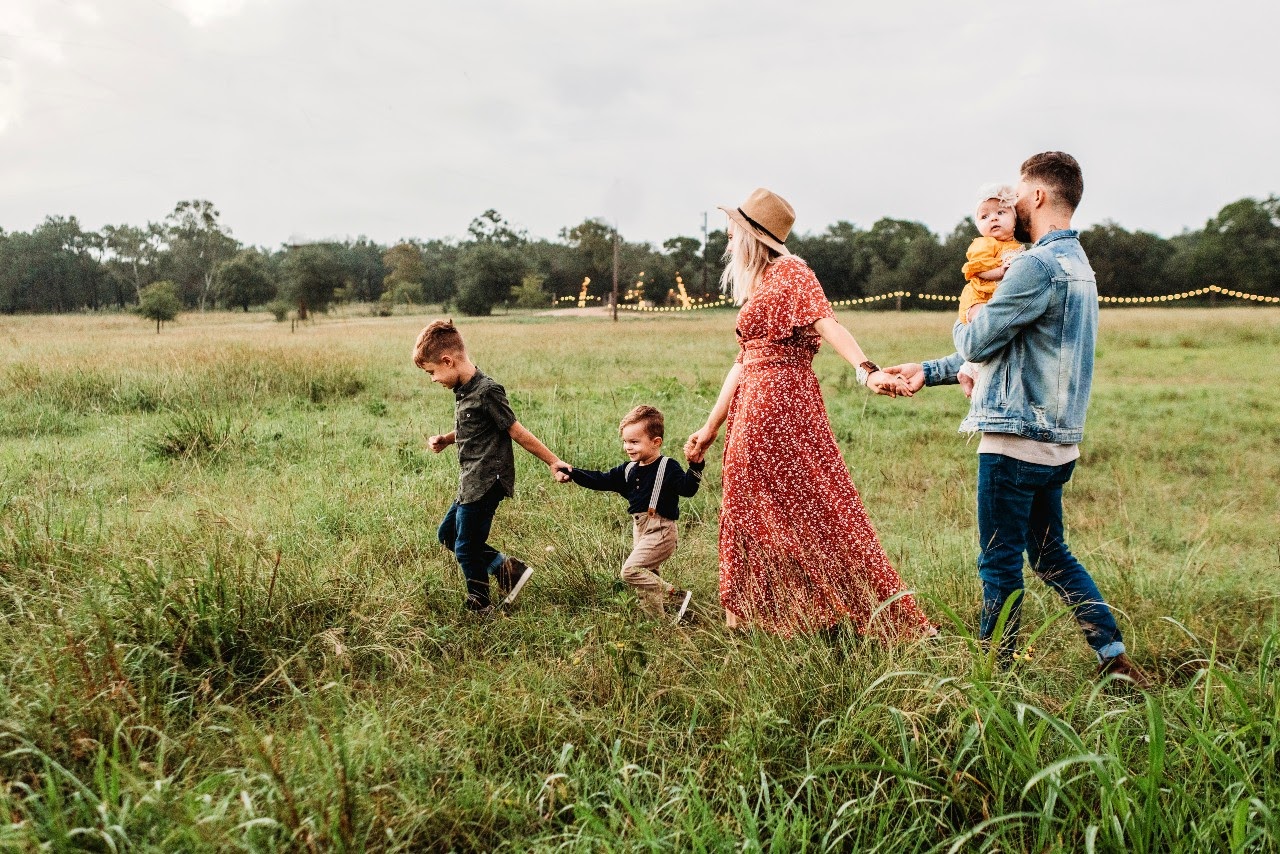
point(736, 215)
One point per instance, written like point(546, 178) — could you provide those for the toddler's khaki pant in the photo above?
point(653, 541)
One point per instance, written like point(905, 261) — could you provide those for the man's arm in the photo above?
point(1018, 302)
point(533, 445)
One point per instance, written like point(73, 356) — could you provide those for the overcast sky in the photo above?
point(407, 118)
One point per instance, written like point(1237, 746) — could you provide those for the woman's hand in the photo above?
point(696, 448)
point(883, 382)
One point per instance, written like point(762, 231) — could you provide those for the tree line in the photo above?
point(190, 260)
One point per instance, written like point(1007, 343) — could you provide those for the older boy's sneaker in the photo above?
point(512, 577)
point(1122, 665)
point(683, 597)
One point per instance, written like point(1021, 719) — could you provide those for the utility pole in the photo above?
point(615, 273)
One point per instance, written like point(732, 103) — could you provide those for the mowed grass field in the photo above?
point(225, 623)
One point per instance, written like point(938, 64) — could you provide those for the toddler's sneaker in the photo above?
point(512, 577)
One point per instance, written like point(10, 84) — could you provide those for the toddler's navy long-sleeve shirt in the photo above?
point(637, 489)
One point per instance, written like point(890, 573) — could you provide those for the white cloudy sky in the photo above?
point(397, 118)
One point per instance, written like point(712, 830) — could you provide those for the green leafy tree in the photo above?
point(196, 244)
point(592, 245)
point(491, 227)
point(246, 279)
point(487, 273)
point(406, 273)
point(132, 253)
point(1127, 263)
point(530, 293)
point(366, 271)
point(311, 274)
point(160, 302)
point(1240, 247)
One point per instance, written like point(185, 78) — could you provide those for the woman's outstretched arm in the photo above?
point(843, 342)
point(696, 448)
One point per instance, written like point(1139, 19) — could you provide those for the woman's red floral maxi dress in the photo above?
point(797, 552)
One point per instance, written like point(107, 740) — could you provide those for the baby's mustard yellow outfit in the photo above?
point(985, 253)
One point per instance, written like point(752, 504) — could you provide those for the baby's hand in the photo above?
point(438, 443)
point(966, 383)
point(560, 471)
point(973, 311)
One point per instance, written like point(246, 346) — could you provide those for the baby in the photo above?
point(987, 258)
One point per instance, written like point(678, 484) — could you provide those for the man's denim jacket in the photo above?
point(1035, 341)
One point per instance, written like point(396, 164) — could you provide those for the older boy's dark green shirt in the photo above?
point(482, 418)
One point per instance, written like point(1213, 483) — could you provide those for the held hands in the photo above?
point(695, 450)
point(560, 471)
point(438, 443)
point(889, 383)
point(912, 373)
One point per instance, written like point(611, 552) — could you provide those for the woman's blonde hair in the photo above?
point(747, 259)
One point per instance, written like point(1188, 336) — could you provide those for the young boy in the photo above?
point(652, 484)
point(484, 429)
point(987, 259)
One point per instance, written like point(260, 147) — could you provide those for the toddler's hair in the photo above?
point(648, 416)
point(1005, 194)
point(439, 338)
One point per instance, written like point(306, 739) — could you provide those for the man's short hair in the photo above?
point(1060, 172)
point(648, 416)
point(440, 338)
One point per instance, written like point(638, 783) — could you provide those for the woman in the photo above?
point(797, 552)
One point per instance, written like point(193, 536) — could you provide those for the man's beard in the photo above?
point(1021, 228)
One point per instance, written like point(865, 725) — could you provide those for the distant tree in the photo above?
point(487, 272)
point(246, 279)
point(530, 293)
point(50, 269)
point(311, 274)
point(160, 302)
point(1240, 247)
point(592, 244)
point(838, 258)
point(1126, 263)
point(365, 269)
point(406, 273)
point(887, 245)
point(491, 227)
point(440, 259)
point(196, 244)
point(132, 253)
point(713, 258)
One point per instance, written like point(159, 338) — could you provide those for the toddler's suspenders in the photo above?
point(657, 483)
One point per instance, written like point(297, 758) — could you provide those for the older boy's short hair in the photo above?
point(648, 416)
point(440, 338)
point(1060, 172)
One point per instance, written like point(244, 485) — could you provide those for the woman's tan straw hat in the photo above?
point(766, 215)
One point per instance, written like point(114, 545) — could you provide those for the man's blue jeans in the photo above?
point(464, 531)
point(1020, 510)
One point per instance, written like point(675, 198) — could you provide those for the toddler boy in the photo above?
point(484, 429)
point(652, 485)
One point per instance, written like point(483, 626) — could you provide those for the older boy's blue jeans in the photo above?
point(464, 531)
point(1020, 510)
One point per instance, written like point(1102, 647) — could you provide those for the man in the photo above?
point(1036, 340)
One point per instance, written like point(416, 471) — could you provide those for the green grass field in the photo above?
point(225, 623)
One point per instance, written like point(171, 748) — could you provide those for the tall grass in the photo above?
point(225, 623)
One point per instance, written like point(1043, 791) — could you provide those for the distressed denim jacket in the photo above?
point(1035, 341)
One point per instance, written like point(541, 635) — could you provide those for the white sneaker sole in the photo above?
point(684, 607)
point(516, 588)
